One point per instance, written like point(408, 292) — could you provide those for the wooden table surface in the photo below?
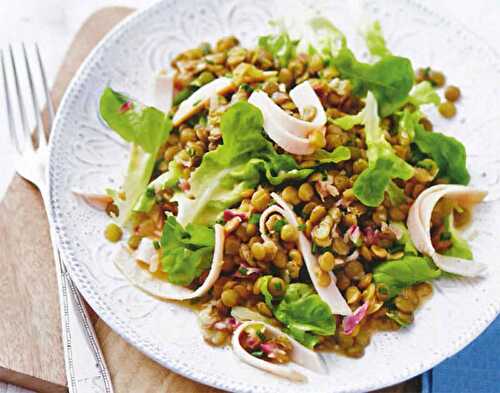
point(30, 344)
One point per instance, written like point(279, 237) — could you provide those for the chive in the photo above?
point(150, 192)
point(301, 227)
point(277, 285)
point(257, 354)
point(243, 270)
point(156, 245)
point(184, 94)
point(445, 236)
point(260, 335)
point(254, 218)
point(278, 225)
point(246, 87)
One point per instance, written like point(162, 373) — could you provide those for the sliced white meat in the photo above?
point(285, 130)
point(330, 294)
point(419, 226)
point(99, 201)
point(163, 90)
point(300, 355)
point(126, 262)
point(200, 98)
point(285, 139)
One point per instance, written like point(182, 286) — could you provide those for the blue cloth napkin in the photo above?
point(476, 369)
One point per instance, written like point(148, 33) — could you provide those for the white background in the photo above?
point(53, 24)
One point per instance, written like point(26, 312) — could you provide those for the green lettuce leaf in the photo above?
point(404, 272)
point(322, 37)
point(280, 45)
point(339, 154)
point(146, 128)
point(305, 314)
point(423, 93)
point(187, 253)
point(405, 240)
point(383, 163)
point(166, 180)
point(448, 153)
point(264, 290)
point(375, 41)
point(390, 79)
point(408, 121)
point(244, 159)
point(396, 194)
point(459, 246)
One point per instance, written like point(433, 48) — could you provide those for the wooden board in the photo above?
point(30, 342)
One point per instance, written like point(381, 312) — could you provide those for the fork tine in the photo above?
point(39, 132)
point(8, 105)
point(48, 98)
point(22, 111)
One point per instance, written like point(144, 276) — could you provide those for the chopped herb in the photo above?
point(314, 248)
point(445, 236)
point(324, 175)
point(247, 87)
point(396, 247)
point(190, 151)
point(243, 270)
point(257, 354)
point(278, 225)
point(254, 218)
point(150, 192)
point(196, 102)
point(278, 286)
point(261, 335)
point(184, 94)
point(156, 245)
point(301, 227)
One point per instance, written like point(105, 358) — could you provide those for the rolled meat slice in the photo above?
point(300, 355)
point(200, 98)
point(285, 130)
point(126, 262)
point(419, 226)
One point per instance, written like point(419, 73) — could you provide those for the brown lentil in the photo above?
point(452, 93)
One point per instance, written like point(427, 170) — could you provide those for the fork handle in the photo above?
point(86, 369)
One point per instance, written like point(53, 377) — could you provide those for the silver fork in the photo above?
point(86, 370)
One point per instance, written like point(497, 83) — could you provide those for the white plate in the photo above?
point(86, 155)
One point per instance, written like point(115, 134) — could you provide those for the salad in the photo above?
point(296, 196)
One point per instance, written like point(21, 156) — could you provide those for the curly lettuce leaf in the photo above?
point(305, 314)
point(459, 246)
point(383, 163)
point(146, 128)
point(448, 153)
point(375, 41)
point(264, 290)
point(423, 93)
point(390, 79)
point(166, 180)
point(187, 253)
point(405, 240)
point(280, 45)
point(322, 37)
point(404, 272)
point(244, 159)
point(339, 154)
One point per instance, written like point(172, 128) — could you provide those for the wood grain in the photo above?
point(30, 343)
